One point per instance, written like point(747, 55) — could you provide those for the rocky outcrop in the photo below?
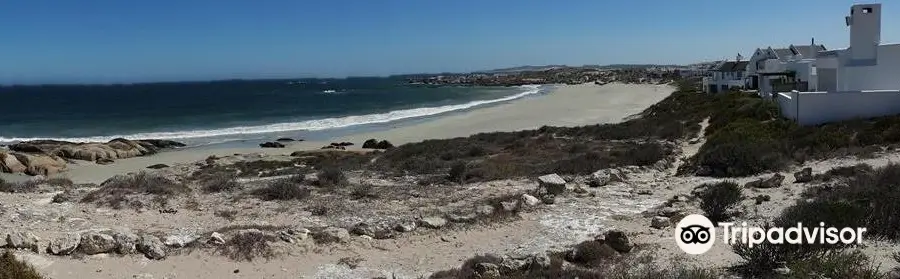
point(64, 245)
point(618, 240)
point(803, 176)
point(432, 222)
point(605, 176)
point(151, 247)
point(271, 144)
point(375, 144)
point(552, 184)
point(47, 157)
point(765, 183)
point(97, 243)
point(22, 240)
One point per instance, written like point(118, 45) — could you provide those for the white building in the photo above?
point(725, 76)
point(783, 69)
point(861, 81)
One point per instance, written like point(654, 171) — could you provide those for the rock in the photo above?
point(363, 229)
point(23, 240)
point(285, 139)
point(299, 153)
point(509, 206)
point(765, 183)
point(462, 217)
point(669, 212)
point(803, 176)
point(216, 239)
point(158, 166)
point(151, 247)
point(126, 242)
point(510, 265)
point(405, 227)
point(485, 210)
point(645, 192)
point(343, 144)
point(97, 243)
point(486, 270)
point(579, 190)
point(539, 262)
point(271, 144)
point(384, 233)
point(375, 144)
point(335, 234)
point(432, 222)
point(104, 161)
point(64, 245)
point(548, 199)
point(179, 240)
point(605, 176)
point(894, 273)
point(552, 183)
point(529, 200)
point(366, 238)
point(618, 241)
point(9, 163)
point(659, 222)
point(41, 164)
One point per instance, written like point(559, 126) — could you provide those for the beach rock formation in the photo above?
point(286, 139)
point(375, 144)
point(158, 166)
point(271, 144)
point(47, 157)
point(552, 184)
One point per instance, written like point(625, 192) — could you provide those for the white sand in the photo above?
point(568, 105)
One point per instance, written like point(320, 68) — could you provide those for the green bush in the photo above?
point(718, 198)
point(223, 183)
point(330, 177)
point(283, 189)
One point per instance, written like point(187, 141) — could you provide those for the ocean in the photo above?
point(202, 113)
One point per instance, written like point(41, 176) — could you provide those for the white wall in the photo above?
point(811, 108)
point(883, 76)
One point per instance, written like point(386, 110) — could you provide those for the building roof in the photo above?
point(732, 66)
point(807, 51)
point(783, 52)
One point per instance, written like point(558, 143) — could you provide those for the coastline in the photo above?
point(565, 105)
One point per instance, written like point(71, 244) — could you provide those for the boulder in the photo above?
point(363, 229)
point(375, 144)
point(618, 240)
point(64, 245)
point(41, 164)
point(179, 240)
point(548, 199)
point(659, 222)
point(271, 145)
point(462, 217)
point(803, 176)
point(765, 183)
point(151, 247)
point(605, 176)
point(552, 183)
point(97, 243)
point(157, 166)
point(485, 210)
point(529, 200)
point(285, 139)
point(104, 161)
point(23, 240)
point(126, 242)
point(335, 234)
point(9, 163)
point(538, 262)
point(216, 239)
point(405, 227)
point(433, 222)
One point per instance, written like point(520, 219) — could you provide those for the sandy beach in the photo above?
point(568, 105)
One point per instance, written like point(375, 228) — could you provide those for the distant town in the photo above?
point(560, 74)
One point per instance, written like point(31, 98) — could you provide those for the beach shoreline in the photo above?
point(565, 105)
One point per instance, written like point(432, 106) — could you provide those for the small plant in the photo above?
point(12, 268)
point(363, 192)
point(717, 199)
point(223, 183)
point(283, 189)
point(248, 245)
point(331, 177)
point(458, 172)
point(116, 190)
point(760, 199)
point(835, 264)
point(351, 262)
point(229, 215)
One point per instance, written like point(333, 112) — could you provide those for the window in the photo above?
point(867, 10)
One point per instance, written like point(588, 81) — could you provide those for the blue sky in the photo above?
point(108, 41)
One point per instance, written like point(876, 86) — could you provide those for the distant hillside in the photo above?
point(528, 68)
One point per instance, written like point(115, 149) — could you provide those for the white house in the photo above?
point(726, 75)
point(861, 81)
point(791, 68)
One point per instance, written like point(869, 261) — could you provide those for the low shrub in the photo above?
point(224, 183)
point(116, 190)
point(717, 199)
point(283, 189)
point(331, 177)
point(12, 268)
point(835, 264)
point(248, 245)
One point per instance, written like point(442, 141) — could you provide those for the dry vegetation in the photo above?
point(12, 268)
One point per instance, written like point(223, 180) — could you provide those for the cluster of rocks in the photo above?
point(338, 145)
point(375, 144)
point(674, 209)
point(89, 243)
point(765, 183)
point(271, 144)
point(803, 176)
point(47, 157)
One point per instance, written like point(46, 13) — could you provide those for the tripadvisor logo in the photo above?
point(695, 234)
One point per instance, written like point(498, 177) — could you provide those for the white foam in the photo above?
point(309, 125)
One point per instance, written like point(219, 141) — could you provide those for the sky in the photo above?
point(115, 41)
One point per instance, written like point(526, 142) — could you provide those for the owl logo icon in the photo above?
point(695, 234)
